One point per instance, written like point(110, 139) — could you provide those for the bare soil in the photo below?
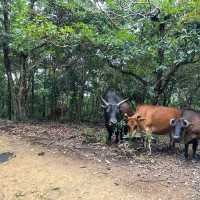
point(59, 162)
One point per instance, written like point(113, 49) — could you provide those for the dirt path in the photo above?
point(54, 176)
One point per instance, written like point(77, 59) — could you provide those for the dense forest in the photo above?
point(57, 57)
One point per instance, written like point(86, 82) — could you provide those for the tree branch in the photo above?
point(165, 80)
point(137, 77)
point(39, 46)
point(109, 18)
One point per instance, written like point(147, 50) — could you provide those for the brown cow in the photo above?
point(187, 128)
point(152, 119)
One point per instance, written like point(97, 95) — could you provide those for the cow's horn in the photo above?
point(103, 106)
point(172, 121)
point(123, 101)
point(104, 101)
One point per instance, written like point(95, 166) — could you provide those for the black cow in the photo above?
point(114, 110)
point(188, 128)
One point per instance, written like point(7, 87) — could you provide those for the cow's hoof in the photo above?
point(149, 154)
point(120, 143)
point(171, 148)
point(196, 157)
point(184, 158)
point(116, 141)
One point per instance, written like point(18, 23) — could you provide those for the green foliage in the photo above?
point(92, 46)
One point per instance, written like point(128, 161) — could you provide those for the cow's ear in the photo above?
point(186, 123)
point(172, 122)
point(140, 118)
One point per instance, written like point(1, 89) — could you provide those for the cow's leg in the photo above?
point(148, 139)
point(144, 141)
point(194, 148)
point(109, 137)
point(171, 142)
point(186, 150)
point(125, 131)
point(121, 135)
point(116, 137)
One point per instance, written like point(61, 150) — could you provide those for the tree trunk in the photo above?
point(54, 101)
point(159, 73)
point(44, 95)
point(32, 92)
point(6, 54)
point(23, 90)
point(73, 104)
point(80, 104)
point(81, 87)
point(9, 77)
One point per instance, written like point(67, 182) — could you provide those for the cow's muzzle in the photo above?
point(176, 138)
point(112, 122)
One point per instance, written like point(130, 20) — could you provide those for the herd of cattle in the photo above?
point(151, 119)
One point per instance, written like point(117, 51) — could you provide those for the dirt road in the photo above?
point(39, 173)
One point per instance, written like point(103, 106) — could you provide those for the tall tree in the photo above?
point(6, 52)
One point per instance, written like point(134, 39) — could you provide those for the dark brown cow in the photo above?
point(188, 129)
point(152, 119)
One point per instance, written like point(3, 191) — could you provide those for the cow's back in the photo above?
point(191, 115)
point(158, 117)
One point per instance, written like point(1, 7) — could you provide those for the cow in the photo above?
point(114, 109)
point(152, 119)
point(187, 128)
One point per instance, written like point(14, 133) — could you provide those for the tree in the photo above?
point(67, 53)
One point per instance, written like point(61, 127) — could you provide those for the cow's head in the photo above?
point(134, 123)
point(178, 128)
point(112, 111)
